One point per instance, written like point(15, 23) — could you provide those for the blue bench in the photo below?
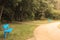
point(49, 20)
point(6, 30)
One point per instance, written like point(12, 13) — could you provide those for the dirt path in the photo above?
point(47, 32)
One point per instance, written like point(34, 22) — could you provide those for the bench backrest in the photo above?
point(5, 26)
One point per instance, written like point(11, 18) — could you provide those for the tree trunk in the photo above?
point(1, 12)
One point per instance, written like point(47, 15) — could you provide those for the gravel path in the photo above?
point(47, 32)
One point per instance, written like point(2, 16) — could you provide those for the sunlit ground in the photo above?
point(24, 30)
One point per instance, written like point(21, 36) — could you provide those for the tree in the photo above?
point(41, 7)
point(8, 7)
point(20, 10)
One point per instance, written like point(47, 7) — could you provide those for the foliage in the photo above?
point(22, 10)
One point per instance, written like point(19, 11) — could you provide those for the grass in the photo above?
point(23, 30)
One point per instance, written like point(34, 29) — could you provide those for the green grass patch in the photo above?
point(23, 30)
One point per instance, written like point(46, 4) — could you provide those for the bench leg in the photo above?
point(4, 35)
